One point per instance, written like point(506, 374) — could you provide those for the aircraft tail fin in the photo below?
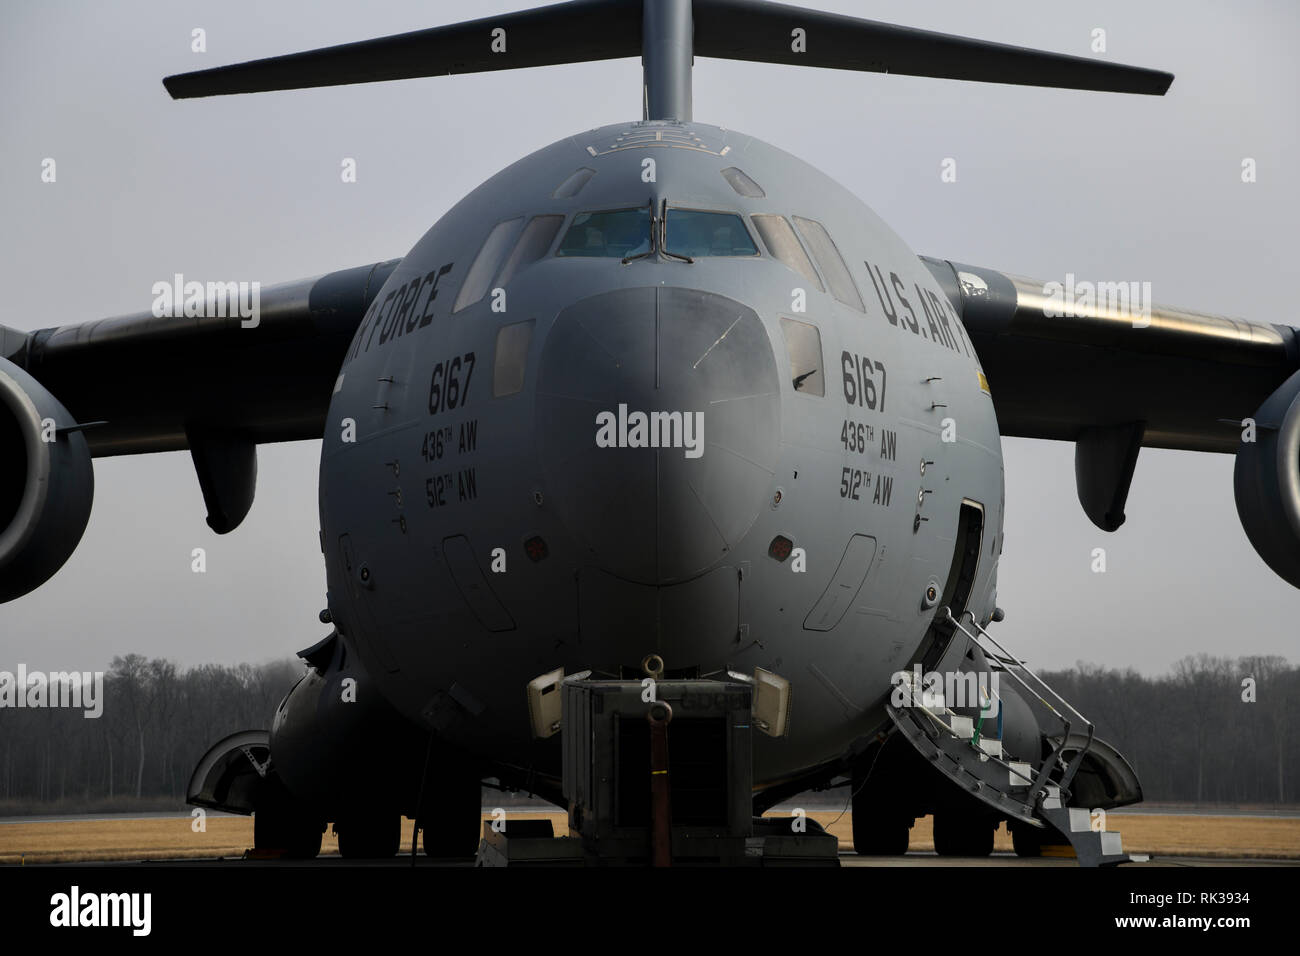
point(667, 34)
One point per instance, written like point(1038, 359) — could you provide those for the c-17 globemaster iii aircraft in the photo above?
point(660, 479)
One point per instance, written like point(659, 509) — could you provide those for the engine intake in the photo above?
point(1267, 481)
point(47, 483)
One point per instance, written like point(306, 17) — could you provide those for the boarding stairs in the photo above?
point(968, 748)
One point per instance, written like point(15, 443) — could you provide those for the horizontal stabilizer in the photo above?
point(585, 30)
point(765, 32)
point(543, 36)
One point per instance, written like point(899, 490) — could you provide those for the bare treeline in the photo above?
point(157, 722)
point(1214, 730)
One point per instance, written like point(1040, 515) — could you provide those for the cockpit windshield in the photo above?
point(616, 234)
point(697, 234)
point(678, 233)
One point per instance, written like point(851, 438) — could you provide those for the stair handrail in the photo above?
point(1073, 768)
point(1043, 777)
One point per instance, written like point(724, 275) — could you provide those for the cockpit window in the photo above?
point(532, 245)
point(614, 234)
point(803, 343)
point(486, 263)
point(573, 185)
point(511, 358)
point(831, 263)
point(784, 245)
point(742, 184)
point(691, 232)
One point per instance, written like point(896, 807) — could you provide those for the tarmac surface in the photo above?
point(847, 859)
point(821, 806)
point(814, 806)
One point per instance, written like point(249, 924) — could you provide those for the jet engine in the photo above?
point(47, 483)
point(1266, 481)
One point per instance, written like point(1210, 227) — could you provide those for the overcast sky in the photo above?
point(1103, 185)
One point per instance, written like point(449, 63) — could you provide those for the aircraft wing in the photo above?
point(1099, 365)
point(156, 383)
point(217, 383)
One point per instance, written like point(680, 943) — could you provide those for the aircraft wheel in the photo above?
point(962, 834)
point(1027, 840)
point(880, 834)
point(1030, 841)
point(369, 837)
point(280, 829)
point(452, 819)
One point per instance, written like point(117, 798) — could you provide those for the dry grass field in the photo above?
point(165, 839)
point(1172, 835)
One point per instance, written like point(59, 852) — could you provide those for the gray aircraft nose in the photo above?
point(659, 417)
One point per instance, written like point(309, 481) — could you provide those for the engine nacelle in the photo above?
point(1267, 481)
point(47, 483)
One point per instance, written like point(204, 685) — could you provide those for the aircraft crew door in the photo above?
point(957, 588)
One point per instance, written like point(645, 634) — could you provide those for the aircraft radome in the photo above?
point(661, 475)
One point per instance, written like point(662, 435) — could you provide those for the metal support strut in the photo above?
point(660, 715)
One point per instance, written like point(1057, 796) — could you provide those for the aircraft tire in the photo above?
point(1026, 840)
point(962, 834)
point(880, 834)
point(452, 819)
point(1030, 841)
point(279, 828)
point(369, 836)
